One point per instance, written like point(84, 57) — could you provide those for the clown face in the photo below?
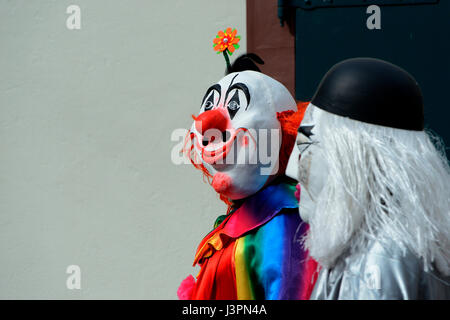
point(312, 167)
point(237, 135)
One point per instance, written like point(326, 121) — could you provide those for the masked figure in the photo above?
point(241, 140)
point(375, 190)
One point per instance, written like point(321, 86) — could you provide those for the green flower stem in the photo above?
point(227, 59)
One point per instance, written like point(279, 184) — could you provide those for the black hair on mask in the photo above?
point(245, 62)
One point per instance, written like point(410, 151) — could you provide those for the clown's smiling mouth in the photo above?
point(214, 152)
point(225, 136)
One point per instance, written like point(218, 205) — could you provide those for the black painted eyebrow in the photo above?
point(244, 88)
point(216, 87)
point(306, 130)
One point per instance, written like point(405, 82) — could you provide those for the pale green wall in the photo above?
point(85, 121)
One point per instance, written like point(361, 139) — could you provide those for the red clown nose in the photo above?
point(212, 119)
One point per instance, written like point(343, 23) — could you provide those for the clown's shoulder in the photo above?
point(272, 248)
point(384, 270)
point(276, 257)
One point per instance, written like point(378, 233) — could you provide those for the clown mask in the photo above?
point(312, 167)
point(237, 137)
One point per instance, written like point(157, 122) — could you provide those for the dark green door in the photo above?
point(412, 34)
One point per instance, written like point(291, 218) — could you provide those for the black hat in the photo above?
point(372, 91)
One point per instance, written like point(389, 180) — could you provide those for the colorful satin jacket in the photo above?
point(255, 251)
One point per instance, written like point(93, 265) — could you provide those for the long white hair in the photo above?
point(381, 181)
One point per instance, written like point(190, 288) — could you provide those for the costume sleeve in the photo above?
point(374, 275)
point(274, 257)
point(388, 278)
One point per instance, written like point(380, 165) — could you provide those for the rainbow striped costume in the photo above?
point(254, 253)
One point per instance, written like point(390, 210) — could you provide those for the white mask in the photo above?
point(226, 134)
point(312, 166)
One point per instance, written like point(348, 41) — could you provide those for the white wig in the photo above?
point(381, 181)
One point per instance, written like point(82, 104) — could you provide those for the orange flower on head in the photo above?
point(226, 40)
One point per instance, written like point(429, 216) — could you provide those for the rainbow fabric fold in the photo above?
point(254, 253)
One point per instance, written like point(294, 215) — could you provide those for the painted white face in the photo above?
point(312, 166)
point(237, 134)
